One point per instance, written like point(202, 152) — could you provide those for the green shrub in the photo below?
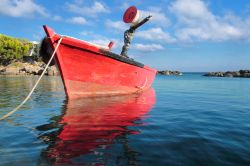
point(13, 48)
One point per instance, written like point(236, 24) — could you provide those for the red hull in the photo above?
point(88, 70)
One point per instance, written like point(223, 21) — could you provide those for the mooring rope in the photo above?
point(32, 90)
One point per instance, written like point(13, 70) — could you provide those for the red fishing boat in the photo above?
point(88, 69)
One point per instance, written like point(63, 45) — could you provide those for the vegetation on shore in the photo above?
point(15, 49)
point(20, 57)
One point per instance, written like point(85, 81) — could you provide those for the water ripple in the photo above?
point(189, 120)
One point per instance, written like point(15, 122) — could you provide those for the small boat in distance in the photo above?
point(89, 70)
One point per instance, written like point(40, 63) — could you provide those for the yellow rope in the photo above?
point(32, 90)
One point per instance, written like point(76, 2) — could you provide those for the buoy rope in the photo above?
point(32, 90)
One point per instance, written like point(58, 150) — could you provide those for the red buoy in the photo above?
point(131, 15)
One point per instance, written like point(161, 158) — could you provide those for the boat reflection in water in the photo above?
point(91, 127)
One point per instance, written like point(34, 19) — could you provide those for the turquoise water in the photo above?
point(188, 120)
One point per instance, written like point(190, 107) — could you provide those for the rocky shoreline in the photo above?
point(27, 68)
point(168, 72)
point(240, 73)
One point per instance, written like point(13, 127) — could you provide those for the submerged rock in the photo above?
point(241, 73)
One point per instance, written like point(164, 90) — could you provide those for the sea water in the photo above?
point(183, 120)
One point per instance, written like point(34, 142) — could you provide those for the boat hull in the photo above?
point(88, 70)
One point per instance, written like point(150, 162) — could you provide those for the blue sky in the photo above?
point(185, 35)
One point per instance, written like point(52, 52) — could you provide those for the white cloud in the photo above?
point(56, 18)
point(116, 25)
point(148, 47)
point(155, 34)
point(101, 40)
point(242, 24)
point(21, 8)
point(124, 6)
point(87, 33)
point(158, 17)
point(197, 23)
point(105, 41)
point(186, 9)
point(77, 20)
point(39, 34)
point(90, 11)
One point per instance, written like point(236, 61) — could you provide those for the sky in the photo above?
point(184, 35)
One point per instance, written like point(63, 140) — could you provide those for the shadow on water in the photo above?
point(88, 128)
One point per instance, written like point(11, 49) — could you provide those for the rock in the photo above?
point(208, 74)
point(237, 74)
point(24, 68)
point(29, 59)
point(39, 72)
point(241, 73)
point(52, 71)
point(246, 75)
point(244, 71)
point(10, 70)
point(22, 72)
point(220, 74)
point(168, 72)
point(31, 69)
point(228, 75)
point(2, 69)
